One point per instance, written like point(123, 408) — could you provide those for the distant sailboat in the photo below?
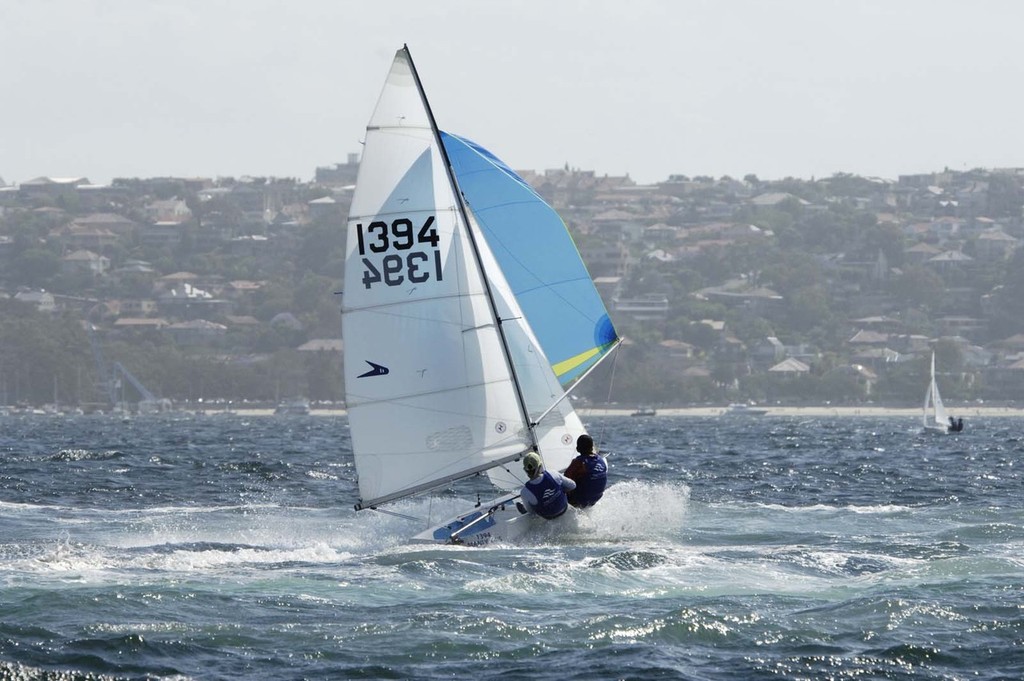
point(934, 419)
point(467, 317)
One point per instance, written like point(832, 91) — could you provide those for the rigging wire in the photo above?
point(611, 379)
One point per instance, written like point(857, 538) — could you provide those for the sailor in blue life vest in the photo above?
point(545, 492)
point(589, 471)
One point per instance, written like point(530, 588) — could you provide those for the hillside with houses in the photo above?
point(788, 292)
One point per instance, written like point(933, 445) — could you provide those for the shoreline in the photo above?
point(707, 412)
point(895, 412)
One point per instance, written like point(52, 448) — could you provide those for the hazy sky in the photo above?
point(141, 88)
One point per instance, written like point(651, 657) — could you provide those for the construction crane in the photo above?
point(112, 377)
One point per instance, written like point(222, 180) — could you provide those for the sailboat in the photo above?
point(934, 419)
point(467, 316)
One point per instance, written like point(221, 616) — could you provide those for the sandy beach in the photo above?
point(824, 410)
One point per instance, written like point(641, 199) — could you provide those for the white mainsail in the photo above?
point(443, 374)
point(934, 416)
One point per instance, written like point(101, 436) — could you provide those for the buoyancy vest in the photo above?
point(590, 487)
point(551, 499)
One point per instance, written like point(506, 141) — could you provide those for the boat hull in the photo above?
point(743, 410)
point(499, 520)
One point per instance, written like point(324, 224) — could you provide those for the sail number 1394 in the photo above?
point(414, 255)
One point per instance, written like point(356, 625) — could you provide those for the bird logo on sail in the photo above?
point(375, 370)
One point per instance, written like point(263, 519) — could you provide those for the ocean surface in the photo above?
point(226, 547)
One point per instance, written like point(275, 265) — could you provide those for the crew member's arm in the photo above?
point(576, 469)
point(529, 499)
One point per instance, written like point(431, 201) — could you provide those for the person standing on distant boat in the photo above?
point(546, 492)
point(589, 471)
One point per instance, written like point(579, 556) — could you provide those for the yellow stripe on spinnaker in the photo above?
point(567, 365)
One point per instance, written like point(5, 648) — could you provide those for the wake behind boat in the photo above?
point(467, 316)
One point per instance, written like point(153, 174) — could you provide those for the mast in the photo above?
point(476, 248)
point(932, 388)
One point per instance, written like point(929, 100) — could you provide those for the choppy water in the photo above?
point(768, 548)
